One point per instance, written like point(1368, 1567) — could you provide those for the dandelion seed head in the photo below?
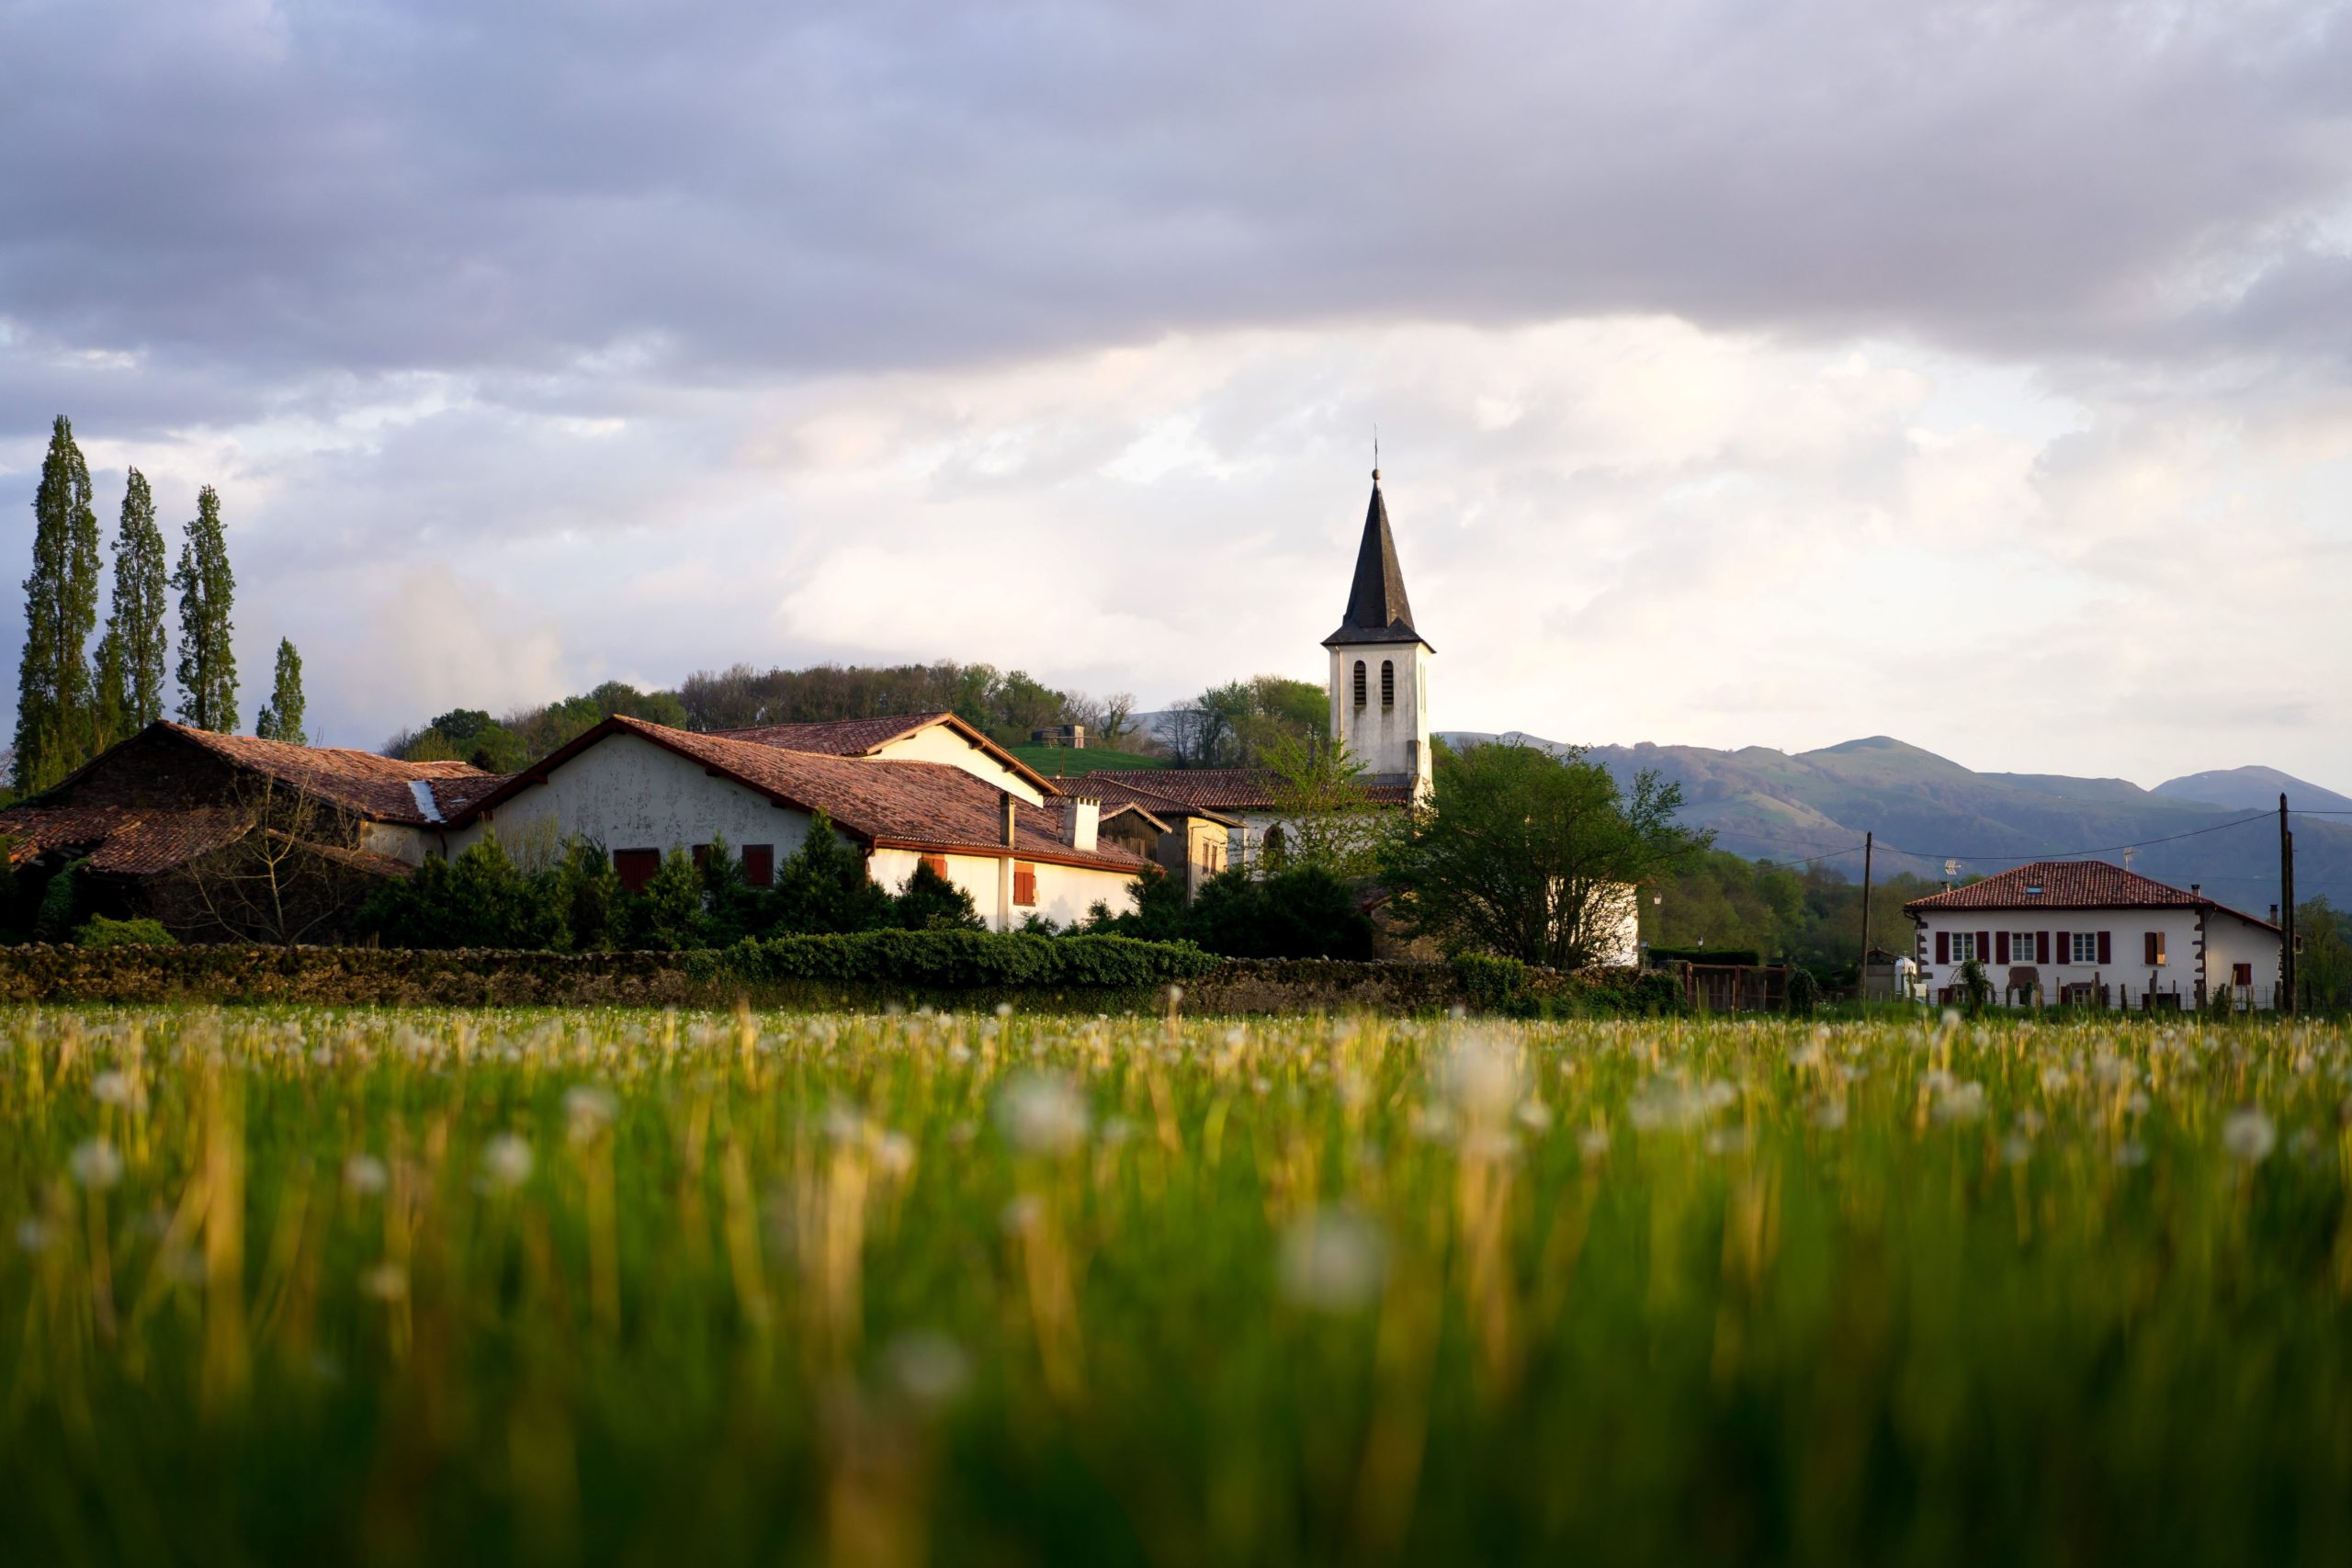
point(2248, 1136)
point(95, 1165)
point(364, 1174)
point(505, 1162)
point(1042, 1114)
point(927, 1367)
point(1333, 1261)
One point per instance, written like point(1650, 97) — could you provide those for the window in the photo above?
point(1359, 683)
point(2152, 948)
point(1387, 683)
point(2242, 977)
point(2022, 948)
point(1024, 886)
point(1963, 946)
point(759, 864)
point(702, 856)
point(635, 867)
point(2085, 948)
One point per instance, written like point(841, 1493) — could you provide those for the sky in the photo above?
point(1976, 374)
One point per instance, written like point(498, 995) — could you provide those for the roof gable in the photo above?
point(873, 737)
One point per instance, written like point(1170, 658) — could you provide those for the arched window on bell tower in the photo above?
point(1360, 683)
point(1387, 683)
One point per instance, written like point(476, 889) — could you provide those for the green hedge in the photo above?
point(954, 959)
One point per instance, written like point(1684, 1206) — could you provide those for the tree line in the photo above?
point(74, 700)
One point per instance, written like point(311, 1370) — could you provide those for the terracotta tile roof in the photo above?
point(1119, 791)
point(122, 840)
point(2072, 884)
point(930, 807)
point(864, 737)
point(1129, 808)
point(375, 786)
point(1230, 789)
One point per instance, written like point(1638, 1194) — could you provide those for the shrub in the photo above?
point(965, 958)
point(1804, 992)
point(1305, 912)
point(64, 905)
point(667, 914)
point(100, 931)
point(929, 902)
point(1491, 983)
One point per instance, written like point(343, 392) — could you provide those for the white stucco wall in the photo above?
point(628, 793)
point(1392, 740)
point(941, 744)
point(2228, 941)
point(398, 841)
point(1065, 893)
point(1619, 945)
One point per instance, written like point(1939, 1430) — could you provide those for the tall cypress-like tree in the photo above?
point(281, 718)
point(53, 709)
point(135, 644)
point(208, 669)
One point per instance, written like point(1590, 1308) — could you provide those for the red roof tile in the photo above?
point(864, 737)
point(1115, 792)
point(891, 805)
point(2072, 884)
point(373, 785)
point(1230, 789)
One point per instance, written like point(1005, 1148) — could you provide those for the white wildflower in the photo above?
point(95, 1164)
point(1959, 1103)
point(1482, 1078)
point(364, 1174)
point(588, 1111)
point(928, 1367)
point(2248, 1136)
point(1533, 1115)
point(1333, 1261)
point(31, 1234)
point(1021, 1215)
point(2017, 1148)
point(1829, 1115)
point(505, 1162)
point(894, 1152)
point(118, 1088)
point(1042, 1115)
point(2130, 1153)
point(1593, 1143)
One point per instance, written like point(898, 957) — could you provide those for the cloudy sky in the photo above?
point(1745, 374)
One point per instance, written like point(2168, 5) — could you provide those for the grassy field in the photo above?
point(381, 1288)
point(1055, 761)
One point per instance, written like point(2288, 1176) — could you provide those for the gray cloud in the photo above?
point(703, 192)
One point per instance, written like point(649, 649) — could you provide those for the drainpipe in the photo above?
point(1005, 866)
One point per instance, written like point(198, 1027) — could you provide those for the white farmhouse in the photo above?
point(928, 787)
point(2087, 932)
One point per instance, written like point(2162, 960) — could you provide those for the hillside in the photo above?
point(1927, 810)
point(2256, 789)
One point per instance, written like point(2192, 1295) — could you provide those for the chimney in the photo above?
point(2196, 890)
point(1010, 808)
point(1085, 823)
point(2274, 914)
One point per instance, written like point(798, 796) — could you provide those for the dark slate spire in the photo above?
point(1378, 608)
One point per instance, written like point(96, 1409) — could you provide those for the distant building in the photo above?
point(926, 787)
point(2090, 934)
point(1071, 737)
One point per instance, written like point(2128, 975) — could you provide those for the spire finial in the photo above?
point(1375, 453)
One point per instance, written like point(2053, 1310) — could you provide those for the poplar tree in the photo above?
point(53, 709)
point(207, 667)
point(281, 718)
point(134, 644)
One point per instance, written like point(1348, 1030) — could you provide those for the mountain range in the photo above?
point(2216, 830)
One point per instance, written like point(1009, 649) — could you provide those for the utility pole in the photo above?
point(1867, 839)
point(2286, 910)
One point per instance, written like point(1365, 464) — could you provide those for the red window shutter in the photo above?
point(702, 854)
point(759, 864)
point(2041, 947)
point(1943, 947)
point(1983, 947)
point(2106, 947)
point(2001, 947)
point(635, 867)
point(938, 864)
point(1024, 886)
point(2065, 948)
point(2148, 950)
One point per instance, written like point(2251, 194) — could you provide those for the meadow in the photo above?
point(383, 1287)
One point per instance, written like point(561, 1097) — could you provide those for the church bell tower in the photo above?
point(1380, 666)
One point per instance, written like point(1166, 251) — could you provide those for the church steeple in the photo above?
point(1380, 665)
point(1377, 610)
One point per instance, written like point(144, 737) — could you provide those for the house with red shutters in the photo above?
point(2086, 932)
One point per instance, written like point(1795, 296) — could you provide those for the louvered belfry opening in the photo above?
point(1388, 683)
point(1360, 698)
